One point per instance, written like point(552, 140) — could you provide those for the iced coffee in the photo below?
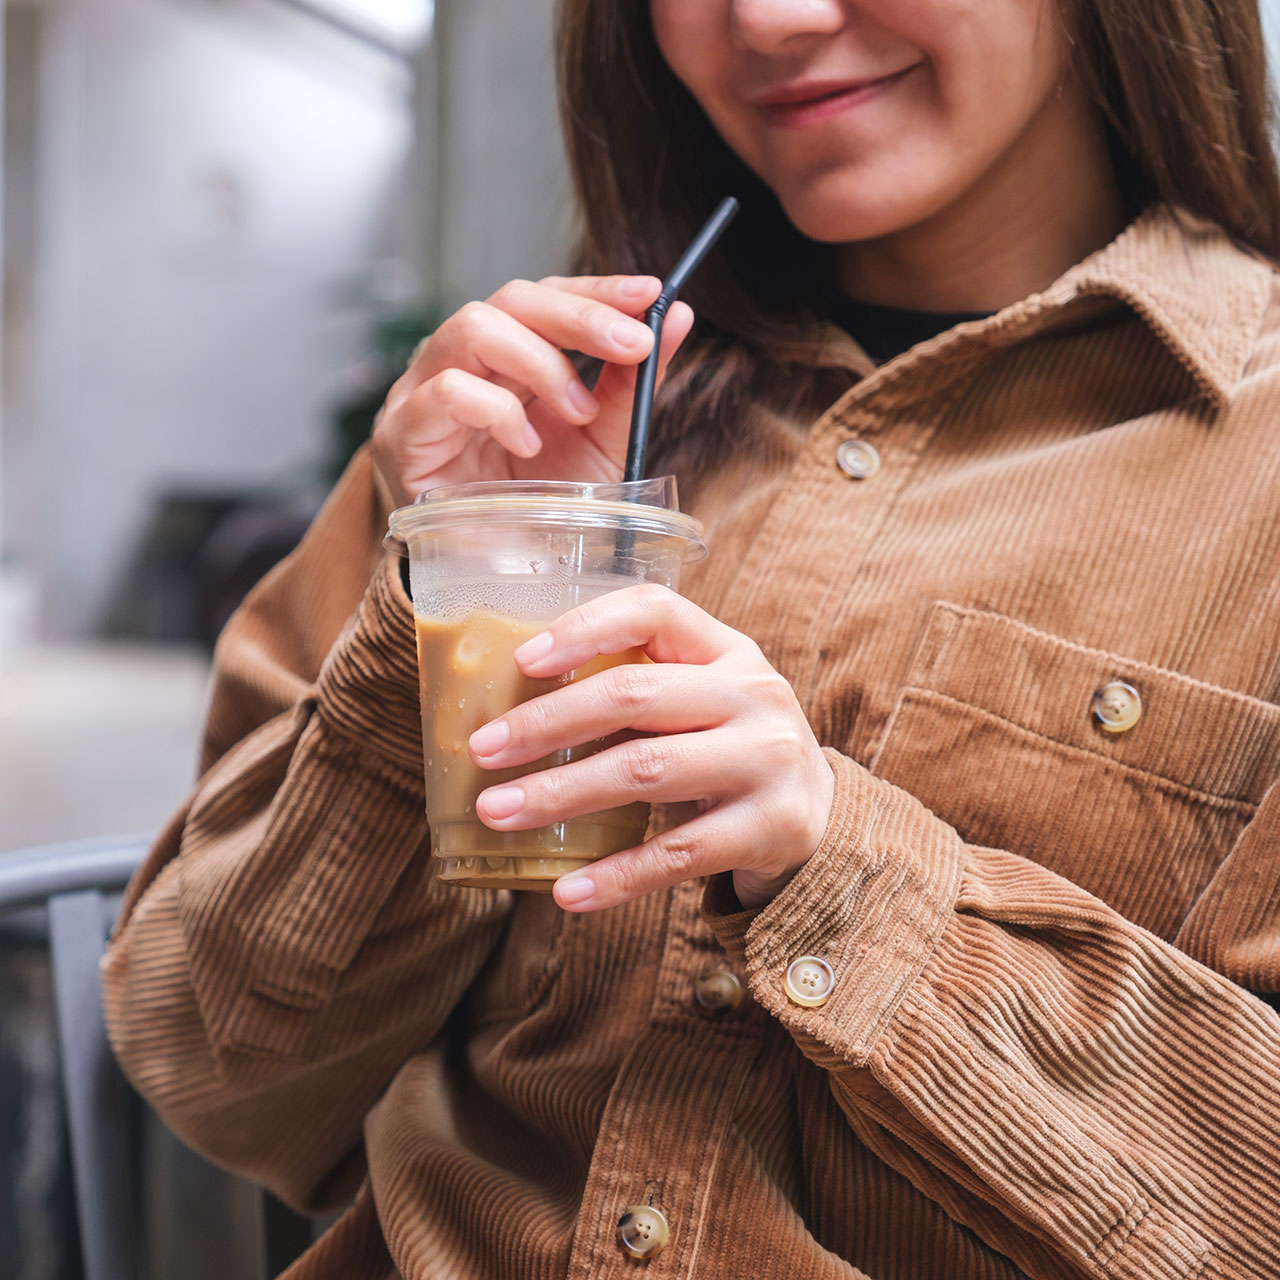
point(490, 566)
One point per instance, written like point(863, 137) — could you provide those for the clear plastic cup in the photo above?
point(490, 565)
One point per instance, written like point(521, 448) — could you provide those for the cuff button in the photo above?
point(809, 982)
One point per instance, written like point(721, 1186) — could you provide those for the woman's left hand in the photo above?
point(730, 740)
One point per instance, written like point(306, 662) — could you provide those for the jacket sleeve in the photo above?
point(1028, 1057)
point(285, 948)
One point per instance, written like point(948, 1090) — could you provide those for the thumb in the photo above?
point(615, 388)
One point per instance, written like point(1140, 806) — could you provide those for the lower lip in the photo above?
point(797, 115)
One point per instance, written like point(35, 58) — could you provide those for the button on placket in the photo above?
point(718, 992)
point(858, 459)
point(673, 1100)
point(643, 1231)
point(1117, 707)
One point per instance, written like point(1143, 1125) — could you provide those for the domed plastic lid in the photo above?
point(630, 507)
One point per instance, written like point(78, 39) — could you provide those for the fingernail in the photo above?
point(502, 802)
point(581, 399)
point(574, 890)
point(530, 439)
point(639, 286)
point(490, 737)
point(630, 333)
point(538, 647)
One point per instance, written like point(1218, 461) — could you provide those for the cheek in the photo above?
point(1001, 60)
point(688, 35)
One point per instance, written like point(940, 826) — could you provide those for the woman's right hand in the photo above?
point(492, 396)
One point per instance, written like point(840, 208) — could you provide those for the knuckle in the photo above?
point(769, 689)
point(548, 791)
point(645, 764)
point(677, 855)
point(632, 875)
point(653, 595)
point(786, 747)
point(512, 293)
point(446, 386)
point(504, 409)
point(535, 721)
point(472, 318)
point(586, 314)
point(665, 860)
point(574, 627)
point(635, 685)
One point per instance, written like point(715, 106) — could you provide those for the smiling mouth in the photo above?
point(795, 112)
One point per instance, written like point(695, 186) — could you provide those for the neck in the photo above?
point(1045, 205)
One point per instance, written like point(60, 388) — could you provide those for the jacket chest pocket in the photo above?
point(998, 731)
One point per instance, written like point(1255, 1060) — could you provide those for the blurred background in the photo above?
point(225, 224)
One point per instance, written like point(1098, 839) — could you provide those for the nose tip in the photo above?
point(765, 26)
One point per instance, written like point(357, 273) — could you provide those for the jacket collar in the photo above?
point(1200, 294)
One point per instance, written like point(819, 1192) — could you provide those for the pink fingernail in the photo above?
point(582, 399)
point(640, 286)
point(538, 647)
point(502, 802)
point(574, 890)
point(530, 439)
point(630, 334)
point(490, 738)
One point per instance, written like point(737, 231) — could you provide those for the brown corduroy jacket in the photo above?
point(1044, 1054)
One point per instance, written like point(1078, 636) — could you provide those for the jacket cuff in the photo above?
point(872, 902)
point(368, 687)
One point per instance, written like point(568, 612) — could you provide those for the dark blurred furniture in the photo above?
point(74, 886)
point(198, 556)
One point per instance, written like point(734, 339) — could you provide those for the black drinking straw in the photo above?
point(642, 405)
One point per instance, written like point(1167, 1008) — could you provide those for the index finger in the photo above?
point(649, 617)
point(634, 294)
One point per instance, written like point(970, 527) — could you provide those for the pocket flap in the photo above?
point(1192, 733)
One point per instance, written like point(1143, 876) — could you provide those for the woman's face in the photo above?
point(867, 117)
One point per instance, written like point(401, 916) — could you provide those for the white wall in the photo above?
point(501, 206)
point(1271, 24)
point(214, 177)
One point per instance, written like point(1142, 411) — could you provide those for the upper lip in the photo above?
point(797, 91)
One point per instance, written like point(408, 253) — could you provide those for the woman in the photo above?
point(946, 960)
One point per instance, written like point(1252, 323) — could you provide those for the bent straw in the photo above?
point(646, 379)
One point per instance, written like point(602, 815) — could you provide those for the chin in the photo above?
point(841, 210)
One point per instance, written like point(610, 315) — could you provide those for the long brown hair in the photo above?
point(1181, 84)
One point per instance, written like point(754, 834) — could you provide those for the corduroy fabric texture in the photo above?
point(1044, 1055)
